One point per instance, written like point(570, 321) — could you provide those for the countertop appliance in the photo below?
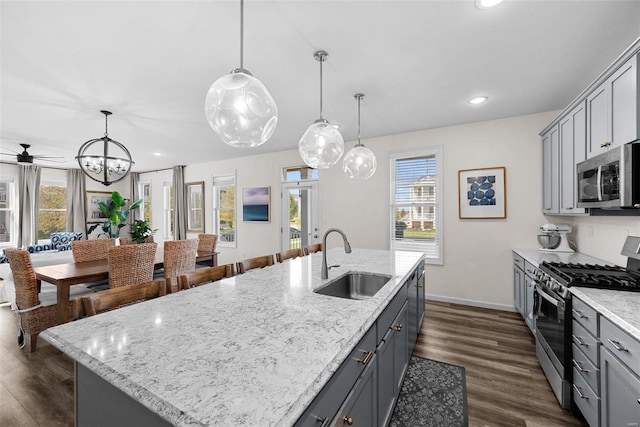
point(559, 230)
point(552, 307)
point(607, 180)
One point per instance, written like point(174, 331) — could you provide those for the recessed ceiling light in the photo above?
point(478, 100)
point(486, 4)
point(157, 154)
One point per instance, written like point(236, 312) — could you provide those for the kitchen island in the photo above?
point(250, 350)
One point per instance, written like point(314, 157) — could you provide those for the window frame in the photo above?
point(11, 209)
point(167, 210)
point(52, 181)
point(435, 248)
point(145, 212)
point(216, 210)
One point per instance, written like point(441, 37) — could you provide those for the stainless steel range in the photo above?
point(552, 307)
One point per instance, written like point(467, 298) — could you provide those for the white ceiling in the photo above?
point(418, 62)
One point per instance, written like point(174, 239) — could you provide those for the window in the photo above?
point(299, 173)
point(145, 208)
point(224, 209)
point(53, 206)
point(167, 200)
point(416, 203)
point(7, 213)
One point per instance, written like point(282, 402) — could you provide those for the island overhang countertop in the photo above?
point(250, 350)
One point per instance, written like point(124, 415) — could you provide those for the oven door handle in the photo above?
point(599, 186)
point(549, 298)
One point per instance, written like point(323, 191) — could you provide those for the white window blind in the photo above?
point(416, 203)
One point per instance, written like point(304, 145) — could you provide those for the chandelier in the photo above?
point(104, 159)
point(359, 162)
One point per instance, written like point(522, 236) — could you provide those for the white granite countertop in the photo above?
point(250, 350)
point(621, 307)
point(537, 257)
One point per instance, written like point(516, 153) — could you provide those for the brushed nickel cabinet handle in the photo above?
point(636, 205)
point(578, 340)
point(398, 327)
point(579, 391)
point(347, 420)
point(579, 314)
point(568, 208)
point(605, 144)
point(617, 345)
point(547, 209)
point(578, 366)
point(324, 421)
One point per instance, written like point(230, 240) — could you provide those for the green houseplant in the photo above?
point(116, 214)
point(140, 230)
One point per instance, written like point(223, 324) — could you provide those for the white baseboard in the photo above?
point(470, 302)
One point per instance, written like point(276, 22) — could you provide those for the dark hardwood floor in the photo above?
point(505, 384)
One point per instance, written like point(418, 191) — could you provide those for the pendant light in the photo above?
point(103, 159)
point(359, 162)
point(239, 107)
point(322, 145)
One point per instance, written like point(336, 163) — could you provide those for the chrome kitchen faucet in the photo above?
point(347, 249)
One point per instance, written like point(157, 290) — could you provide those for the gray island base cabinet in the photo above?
point(267, 351)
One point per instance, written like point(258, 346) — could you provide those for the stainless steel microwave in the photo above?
point(610, 180)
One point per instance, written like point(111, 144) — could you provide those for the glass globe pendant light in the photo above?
point(239, 107)
point(359, 162)
point(322, 144)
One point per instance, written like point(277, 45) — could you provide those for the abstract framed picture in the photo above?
point(255, 204)
point(94, 214)
point(482, 193)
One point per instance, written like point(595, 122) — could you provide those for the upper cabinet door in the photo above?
point(598, 120)
point(572, 130)
point(550, 171)
point(624, 104)
point(612, 110)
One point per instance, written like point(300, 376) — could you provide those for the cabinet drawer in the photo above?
point(586, 342)
point(530, 269)
point(389, 314)
point(620, 344)
point(333, 394)
point(586, 369)
point(585, 315)
point(518, 261)
point(586, 400)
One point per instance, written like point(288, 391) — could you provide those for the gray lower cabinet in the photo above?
point(416, 305)
point(364, 390)
point(518, 283)
point(620, 382)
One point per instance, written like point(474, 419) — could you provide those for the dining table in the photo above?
point(63, 276)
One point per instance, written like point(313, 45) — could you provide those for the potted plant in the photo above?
point(140, 230)
point(116, 214)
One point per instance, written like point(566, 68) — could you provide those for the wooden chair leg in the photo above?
point(31, 342)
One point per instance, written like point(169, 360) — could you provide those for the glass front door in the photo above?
point(300, 214)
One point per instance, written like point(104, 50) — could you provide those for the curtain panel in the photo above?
point(76, 202)
point(134, 179)
point(179, 204)
point(29, 205)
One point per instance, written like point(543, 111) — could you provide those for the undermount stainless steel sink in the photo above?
point(354, 285)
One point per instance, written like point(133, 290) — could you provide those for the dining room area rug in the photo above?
point(434, 394)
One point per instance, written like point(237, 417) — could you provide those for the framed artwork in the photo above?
point(482, 193)
point(94, 214)
point(195, 206)
point(255, 204)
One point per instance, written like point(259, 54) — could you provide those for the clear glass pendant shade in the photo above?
point(241, 110)
point(359, 163)
point(322, 145)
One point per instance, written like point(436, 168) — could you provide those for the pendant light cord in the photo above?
point(359, 99)
point(321, 60)
point(242, 34)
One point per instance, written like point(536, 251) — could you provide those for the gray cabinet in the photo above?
point(364, 390)
point(415, 306)
point(572, 136)
point(585, 361)
point(360, 407)
point(612, 110)
point(550, 171)
point(518, 284)
point(620, 382)
point(528, 288)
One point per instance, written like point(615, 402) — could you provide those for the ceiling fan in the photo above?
point(26, 159)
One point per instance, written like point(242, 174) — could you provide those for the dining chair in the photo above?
point(310, 249)
point(131, 264)
point(179, 258)
point(91, 250)
point(288, 254)
point(207, 242)
point(204, 275)
point(33, 314)
point(130, 241)
point(123, 296)
point(251, 263)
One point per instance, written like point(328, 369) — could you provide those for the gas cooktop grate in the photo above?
point(593, 276)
